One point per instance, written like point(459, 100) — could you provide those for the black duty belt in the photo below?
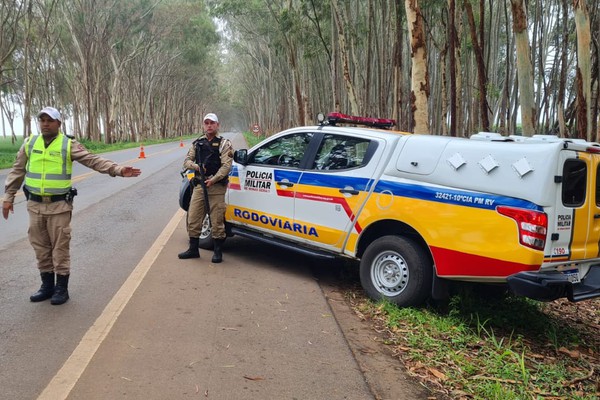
point(47, 199)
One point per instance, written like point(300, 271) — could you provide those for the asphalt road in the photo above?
point(264, 324)
point(114, 221)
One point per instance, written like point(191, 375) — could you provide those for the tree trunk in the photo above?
point(482, 80)
point(560, 105)
point(419, 77)
point(343, 48)
point(524, 68)
point(452, 40)
point(584, 89)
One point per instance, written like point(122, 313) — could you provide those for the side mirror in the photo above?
point(241, 156)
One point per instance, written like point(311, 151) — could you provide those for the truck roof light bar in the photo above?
point(339, 118)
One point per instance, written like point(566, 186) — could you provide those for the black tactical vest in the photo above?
point(207, 154)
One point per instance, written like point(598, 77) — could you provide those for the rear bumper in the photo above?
point(550, 286)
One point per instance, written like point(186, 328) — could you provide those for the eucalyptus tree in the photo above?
point(90, 27)
point(524, 67)
point(174, 73)
point(37, 66)
point(584, 90)
point(420, 79)
point(104, 38)
point(477, 39)
point(342, 23)
point(11, 14)
point(254, 51)
point(310, 56)
point(128, 40)
point(269, 39)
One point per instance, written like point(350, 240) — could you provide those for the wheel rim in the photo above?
point(205, 232)
point(389, 274)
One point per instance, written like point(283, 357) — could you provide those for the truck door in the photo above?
point(334, 187)
point(264, 197)
point(577, 225)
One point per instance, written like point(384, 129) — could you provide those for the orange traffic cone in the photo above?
point(142, 154)
point(180, 142)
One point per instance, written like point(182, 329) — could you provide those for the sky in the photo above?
point(19, 127)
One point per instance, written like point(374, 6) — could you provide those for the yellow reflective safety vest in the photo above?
point(48, 168)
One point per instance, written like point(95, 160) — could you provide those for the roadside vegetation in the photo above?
point(8, 151)
point(476, 347)
point(252, 139)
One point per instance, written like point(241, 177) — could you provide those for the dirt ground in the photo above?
point(385, 373)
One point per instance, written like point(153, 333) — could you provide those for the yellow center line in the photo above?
point(65, 379)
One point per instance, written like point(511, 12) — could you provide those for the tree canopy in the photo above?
point(126, 70)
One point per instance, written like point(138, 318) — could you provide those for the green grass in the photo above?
point(504, 349)
point(252, 139)
point(8, 151)
point(99, 147)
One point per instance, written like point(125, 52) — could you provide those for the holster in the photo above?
point(71, 195)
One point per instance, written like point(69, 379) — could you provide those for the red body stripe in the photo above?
point(331, 199)
point(285, 193)
point(328, 199)
point(453, 263)
point(556, 258)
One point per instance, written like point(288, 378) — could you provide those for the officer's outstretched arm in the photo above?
point(129, 172)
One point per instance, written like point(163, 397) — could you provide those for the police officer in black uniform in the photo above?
point(211, 157)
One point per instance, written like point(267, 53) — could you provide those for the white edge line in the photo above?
point(65, 379)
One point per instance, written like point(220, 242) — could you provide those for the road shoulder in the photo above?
point(384, 373)
point(243, 329)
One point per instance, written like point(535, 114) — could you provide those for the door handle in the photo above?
point(596, 216)
point(288, 184)
point(349, 191)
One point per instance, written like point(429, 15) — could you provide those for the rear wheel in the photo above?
point(206, 240)
point(397, 269)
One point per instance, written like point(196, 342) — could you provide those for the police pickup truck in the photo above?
point(419, 211)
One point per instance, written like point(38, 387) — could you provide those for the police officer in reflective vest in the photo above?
point(45, 164)
point(211, 157)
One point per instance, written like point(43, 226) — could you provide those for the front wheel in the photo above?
point(397, 269)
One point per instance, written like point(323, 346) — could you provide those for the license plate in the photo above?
point(572, 275)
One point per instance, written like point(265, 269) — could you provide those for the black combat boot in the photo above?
point(46, 290)
point(61, 290)
point(218, 251)
point(193, 251)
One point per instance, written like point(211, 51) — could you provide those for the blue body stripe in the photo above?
point(464, 198)
point(336, 181)
point(290, 175)
point(451, 196)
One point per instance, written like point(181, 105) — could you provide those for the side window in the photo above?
point(286, 151)
point(574, 183)
point(341, 152)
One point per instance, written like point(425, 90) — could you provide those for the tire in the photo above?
point(185, 194)
point(206, 240)
point(397, 269)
